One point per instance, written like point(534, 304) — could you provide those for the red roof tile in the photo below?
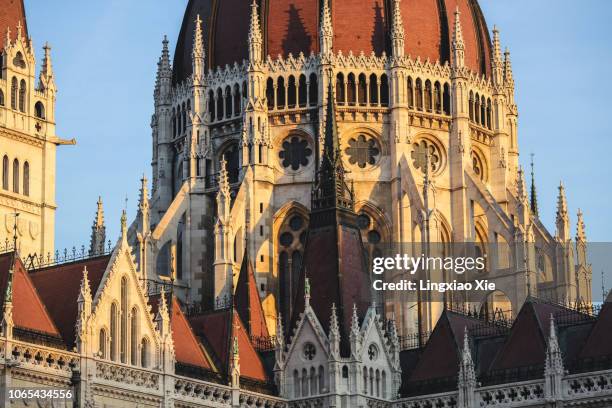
point(248, 302)
point(29, 311)
point(11, 13)
point(59, 288)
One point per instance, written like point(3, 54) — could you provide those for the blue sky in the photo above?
point(105, 54)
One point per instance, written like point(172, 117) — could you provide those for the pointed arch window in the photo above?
point(15, 176)
point(1, 98)
point(237, 100)
point(22, 96)
point(410, 93)
point(14, 92)
point(5, 173)
point(419, 94)
point(291, 92)
point(113, 332)
point(228, 102)
point(102, 344)
point(313, 92)
point(124, 316)
point(302, 92)
point(374, 90)
point(144, 353)
point(351, 89)
point(26, 179)
point(340, 95)
point(280, 93)
point(384, 90)
point(134, 336)
point(270, 93)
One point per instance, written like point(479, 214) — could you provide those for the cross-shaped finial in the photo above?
point(15, 231)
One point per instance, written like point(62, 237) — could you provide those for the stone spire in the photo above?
point(84, 305)
point(280, 341)
point(580, 231)
point(198, 54)
point(47, 68)
point(235, 362)
point(534, 196)
point(562, 221)
point(98, 231)
point(397, 30)
point(331, 190)
point(326, 30)
point(355, 335)
point(497, 62)
point(124, 227)
point(458, 46)
point(255, 38)
point(163, 315)
point(467, 375)
point(306, 293)
point(164, 71)
point(553, 365)
point(508, 75)
point(334, 333)
point(143, 199)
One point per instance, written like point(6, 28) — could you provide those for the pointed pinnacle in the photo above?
point(457, 31)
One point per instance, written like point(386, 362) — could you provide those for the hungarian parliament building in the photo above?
point(293, 142)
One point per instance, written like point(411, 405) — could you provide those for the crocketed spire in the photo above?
point(458, 44)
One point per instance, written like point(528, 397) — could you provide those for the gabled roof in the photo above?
point(247, 300)
point(217, 329)
point(187, 348)
point(29, 311)
point(59, 288)
point(599, 343)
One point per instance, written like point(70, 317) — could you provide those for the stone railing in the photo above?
point(587, 385)
point(444, 400)
point(39, 358)
point(251, 399)
point(193, 391)
point(121, 374)
point(513, 395)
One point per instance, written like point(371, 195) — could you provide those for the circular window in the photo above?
point(362, 151)
point(425, 151)
point(286, 239)
point(478, 166)
point(310, 351)
point(296, 223)
point(373, 237)
point(295, 153)
point(372, 352)
point(363, 221)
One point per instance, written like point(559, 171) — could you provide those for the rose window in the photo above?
point(310, 351)
point(478, 166)
point(362, 151)
point(425, 151)
point(295, 153)
point(372, 352)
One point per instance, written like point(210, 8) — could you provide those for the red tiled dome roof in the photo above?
point(291, 26)
point(12, 12)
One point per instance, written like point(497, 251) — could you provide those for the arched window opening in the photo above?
point(174, 124)
point(384, 90)
point(1, 98)
point(211, 105)
point(410, 93)
point(179, 120)
point(428, 104)
point(384, 384)
point(113, 332)
point(134, 336)
point(15, 176)
point(102, 344)
point(237, 100)
point(419, 94)
point(302, 92)
point(280, 93)
point(321, 380)
point(14, 92)
point(371, 378)
point(123, 316)
point(22, 95)
point(477, 109)
point(270, 93)
point(365, 380)
point(374, 90)
point(313, 92)
point(245, 93)
point(26, 179)
point(220, 115)
point(184, 118)
point(377, 383)
point(471, 103)
point(437, 98)
point(313, 381)
point(5, 173)
point(446, 100)
point(304, 382)
point(296, 383)
point(483, 109)
point(362, 90)
point(291, 91)
point(351, 89)
point(340, 95)
point(228, 102)
point(488, 113)
point(144, 352)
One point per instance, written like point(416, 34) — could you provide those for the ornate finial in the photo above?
point(224, 184)
point(98, 230)
point(326, 30)
point(124, 225)
point(562, 220)
point(19, 30)
point(143, 200)
point(553, 364)
point(561, 202)
point(334, 326)
point(458, 45)
point(255, 38)
point(197, 52)
point(508, 75)
point(307, 291)
point(580, 230)
point(521, 186)
point(47, 69)
point(85, 291)
point(354, 321)
point(397, 30)
point(534, 197)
